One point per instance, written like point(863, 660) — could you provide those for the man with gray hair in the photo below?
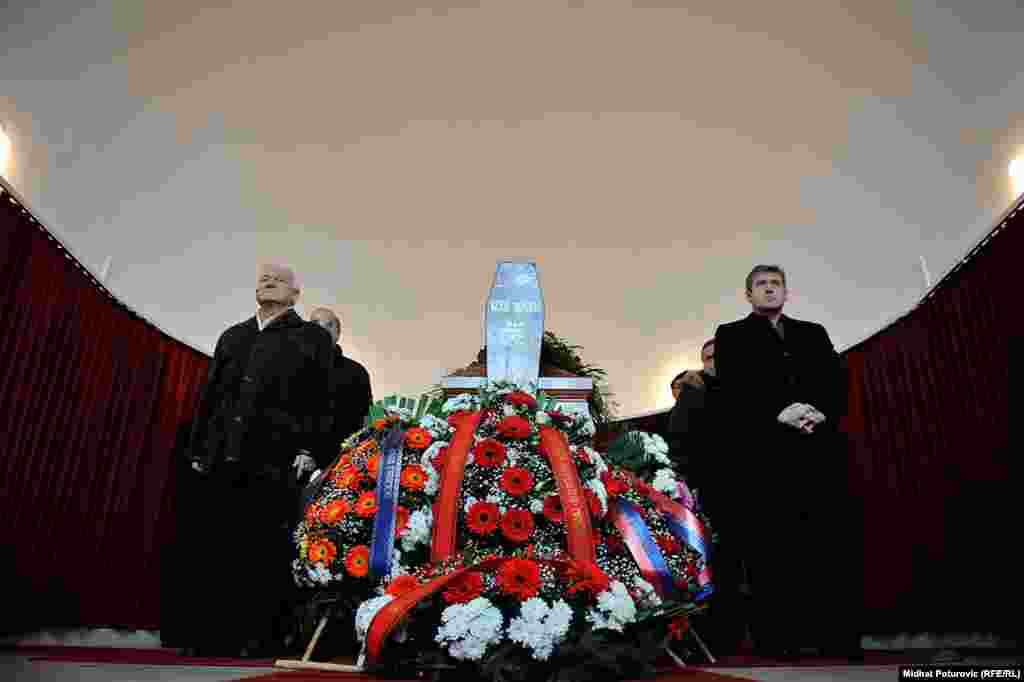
point(256, 430)
point(350, 391)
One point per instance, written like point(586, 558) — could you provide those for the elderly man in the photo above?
point(256, 430)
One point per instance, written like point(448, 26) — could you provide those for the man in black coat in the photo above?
point(692, 436)
point(256, 429)
point(351, 394)
point(780, 407)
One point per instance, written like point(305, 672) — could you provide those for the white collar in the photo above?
point(261, 324)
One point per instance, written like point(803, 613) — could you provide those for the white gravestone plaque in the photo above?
point(515, 323)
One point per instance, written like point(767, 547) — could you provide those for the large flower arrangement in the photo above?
point(514, 594)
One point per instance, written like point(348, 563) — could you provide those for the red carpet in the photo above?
point(76, 654)
point(692, 675)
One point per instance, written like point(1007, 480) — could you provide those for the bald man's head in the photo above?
point(328, 320)
point(277, 284)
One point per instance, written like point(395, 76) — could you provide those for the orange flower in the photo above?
point(322, 550)
point(401, 585)
point(373, 465)
point(357, 563)
point(514, 427)
point(380, 424)
point(553, 509)
point(517, 524)
point(335, 511)
point(464, 589)
point(342, 462)
point(668, 544)
point(414, 477)
point(489, 453)
point(348, 478)
point(483, 518)
point(517, 481)
point(401, 519)
point(418, 438)
point(366, 505)
point(520, 578)
point(312, 514)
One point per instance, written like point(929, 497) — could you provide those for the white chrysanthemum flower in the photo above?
point(536, 506)
point(421, 523)
point(601, 492)
point(649, 597)
point(589, 428)
point(597, 459)
point(509, 410)
point(615, 608)
point(543, 418)
point(468, 502)
point(366, 612)
point(665, 481)
point(470, 628)
point(319, 575)
point(540, 627)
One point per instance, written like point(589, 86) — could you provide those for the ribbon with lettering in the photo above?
point(641, 544)
point(576, 512)
point(388, 480)
point(446, 516)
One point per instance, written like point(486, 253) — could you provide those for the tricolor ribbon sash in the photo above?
point(446, 517)
point(576, 512)
point(685, 525)
point(642, 546)
point(388, 481)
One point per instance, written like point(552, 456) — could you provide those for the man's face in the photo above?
point(767, 293)
point(276, 285)
point(707, 356)
point(328, 322)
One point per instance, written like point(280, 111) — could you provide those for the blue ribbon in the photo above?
point(389, 479)
point(642, 546)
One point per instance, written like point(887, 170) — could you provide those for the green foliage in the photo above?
point(628, 452)
point(558, 352)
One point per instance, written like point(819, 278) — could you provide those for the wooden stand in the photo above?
point(306, 664)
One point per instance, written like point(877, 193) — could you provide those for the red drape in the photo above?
point(91, 401)
point(930, 427)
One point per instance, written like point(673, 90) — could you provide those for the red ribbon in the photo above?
point(555, 446)
point(446, 517)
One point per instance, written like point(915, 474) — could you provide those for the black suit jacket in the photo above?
point(692, 430)
point(761, 374)
point(264, 394)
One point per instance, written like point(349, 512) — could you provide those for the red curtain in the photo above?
point(92, 399)
point(930, 459)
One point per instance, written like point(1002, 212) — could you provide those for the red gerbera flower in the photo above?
point(668, 544)
point(464, 589)
point(514, 427)
point(414, 477)
point(679, 626)
point(517, 524)
point(401, 585)
point(401, 519)
point(489, 453)
point(322, 550)
point(643, 488)
point(553, 509)
point(366, 505)
point(520, 578)
point(335, 511)
point(517, 481)
point(418, 438)
point(357, 562)
point(584, 576)
point(483, 518)
point(521, 398)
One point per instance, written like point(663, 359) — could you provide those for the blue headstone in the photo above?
point(515, 323)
